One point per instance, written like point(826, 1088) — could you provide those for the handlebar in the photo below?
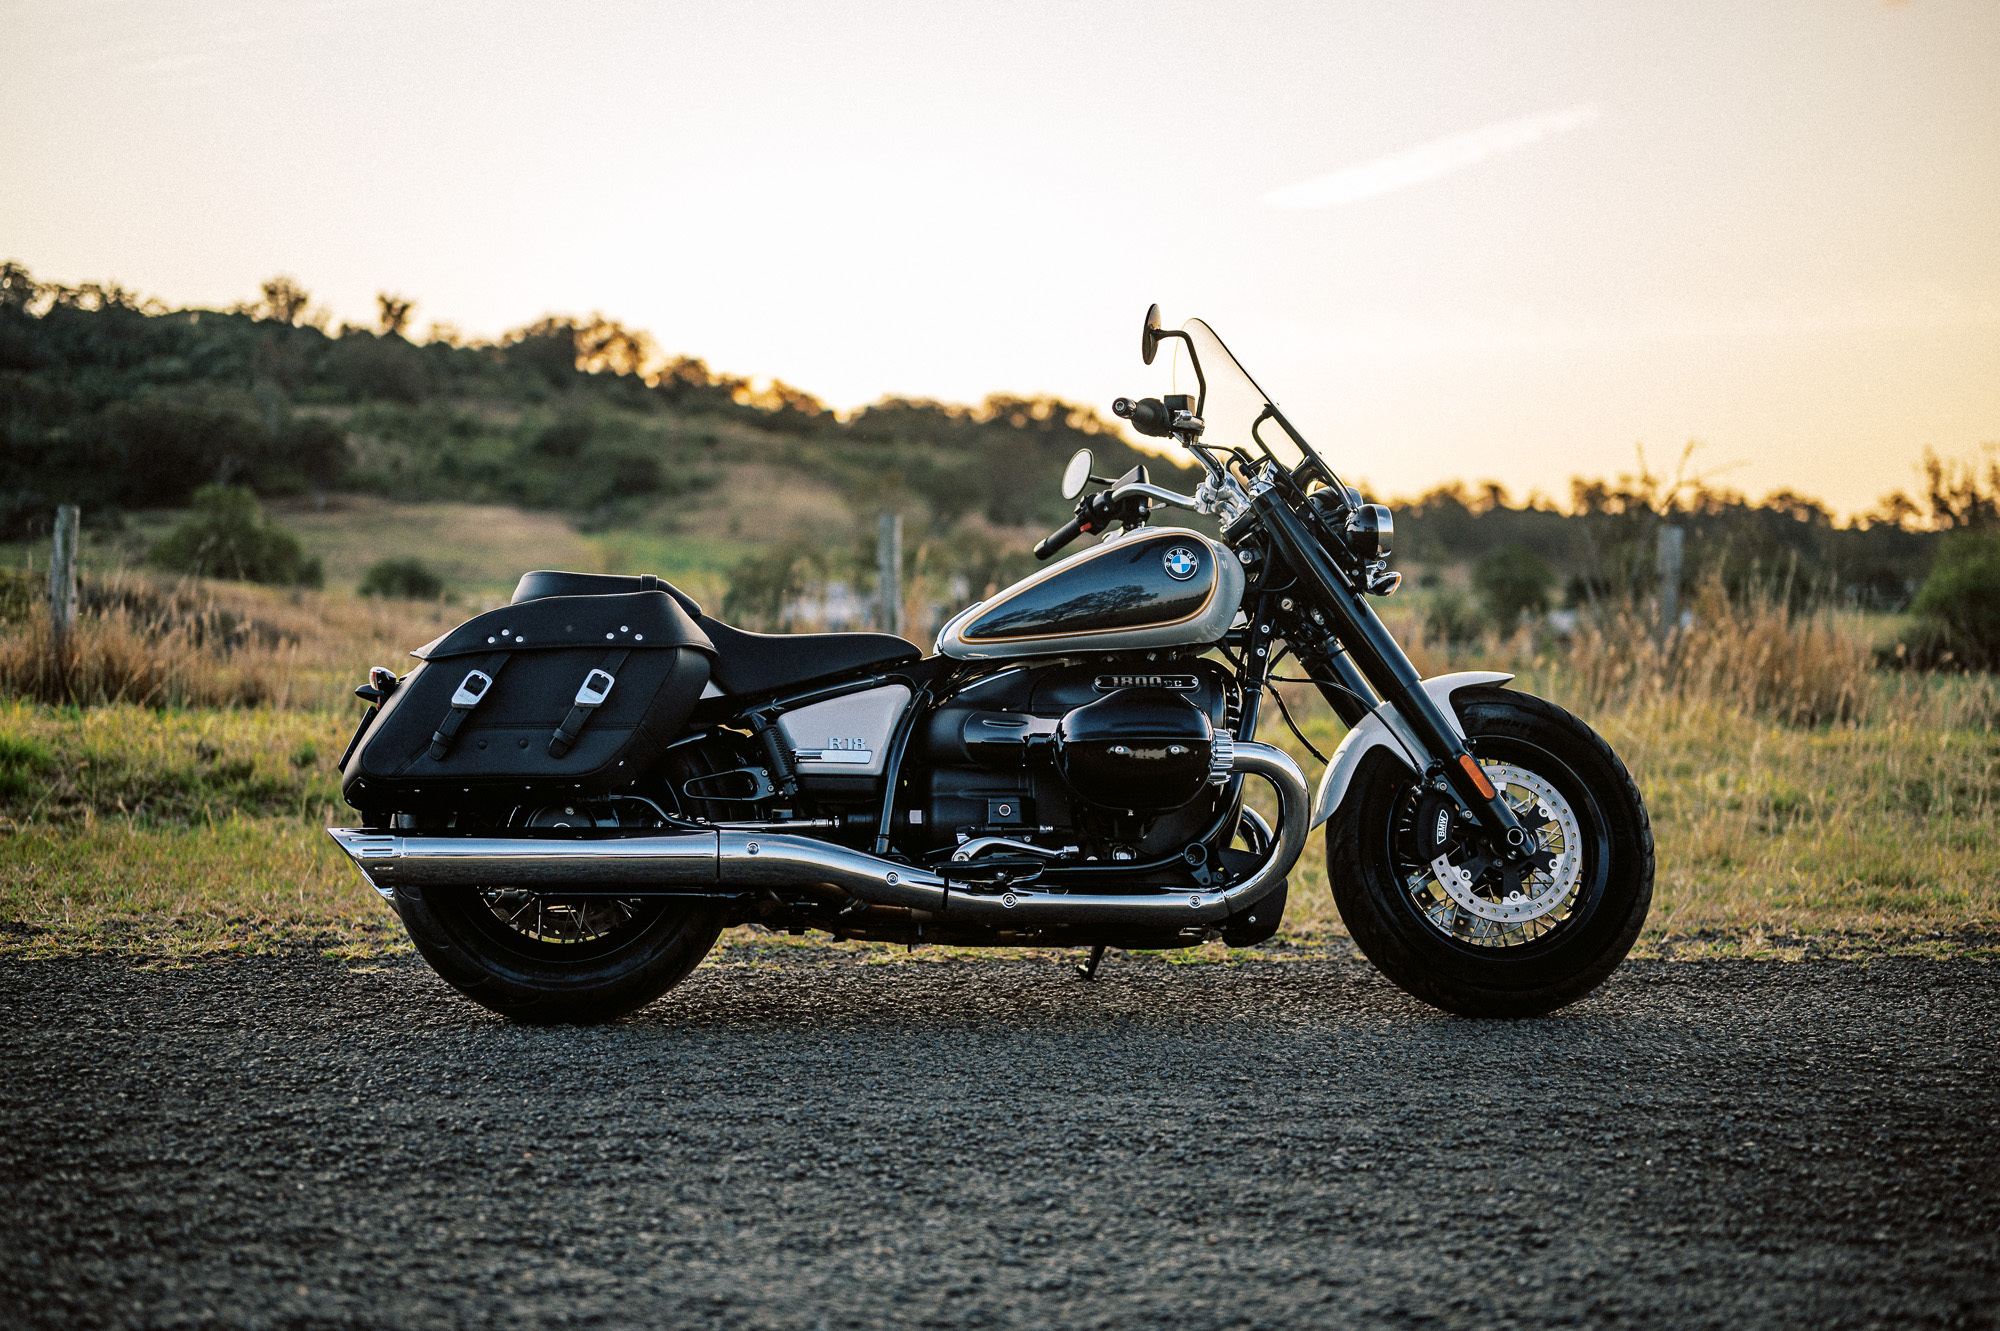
point(1149, 415)
point(1059, 538)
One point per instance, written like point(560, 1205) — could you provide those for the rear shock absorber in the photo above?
point(777, 754)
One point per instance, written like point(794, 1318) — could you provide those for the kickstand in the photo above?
point(1088, 970)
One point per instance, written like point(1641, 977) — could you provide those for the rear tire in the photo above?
point(580, 959)
point(1405, 921)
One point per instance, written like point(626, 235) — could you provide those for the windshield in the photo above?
point(1233, 405)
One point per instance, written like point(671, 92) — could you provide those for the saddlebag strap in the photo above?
point(590, 696)
point(472, 690)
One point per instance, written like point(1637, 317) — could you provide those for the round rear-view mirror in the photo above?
point(1077, 474)
point(1149, 336)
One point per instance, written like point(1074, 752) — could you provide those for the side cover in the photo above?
point(1383, 728)
point(527, 672)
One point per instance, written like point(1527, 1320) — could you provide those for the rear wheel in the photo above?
point(545, 956)
point(1485, 940)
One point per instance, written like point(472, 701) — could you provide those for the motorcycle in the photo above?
point(568, 798)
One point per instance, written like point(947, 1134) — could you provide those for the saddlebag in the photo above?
point(556, 696)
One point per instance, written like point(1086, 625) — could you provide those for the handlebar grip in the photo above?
point(1059, 538)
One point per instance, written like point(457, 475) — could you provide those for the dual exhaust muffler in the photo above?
point(728, 862)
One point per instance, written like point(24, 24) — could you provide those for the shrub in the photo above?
point(22, 761)
point(383, 368)
point(227, 536)
point(1452, 618)
point(1958, 608)
point(1513, 582)
point(762, 585)
point(410, 579)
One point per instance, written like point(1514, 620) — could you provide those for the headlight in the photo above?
point(1370, 527)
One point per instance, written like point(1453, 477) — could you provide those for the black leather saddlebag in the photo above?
point(557, 696)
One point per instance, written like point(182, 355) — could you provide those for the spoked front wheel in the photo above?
point(1481, 939)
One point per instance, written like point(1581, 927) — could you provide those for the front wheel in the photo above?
point(1480, 940)
point(548, 956)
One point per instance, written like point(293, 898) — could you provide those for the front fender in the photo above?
point(1384, 728)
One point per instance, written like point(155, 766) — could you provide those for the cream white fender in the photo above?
point(1383, 728)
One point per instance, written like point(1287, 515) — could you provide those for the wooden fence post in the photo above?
point(889, 573)
point(1673, 542)
point(62, 588)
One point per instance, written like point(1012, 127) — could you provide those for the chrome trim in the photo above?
point(739, 860)
point(981, 844)
point(1222, 758)
point(1160, 493)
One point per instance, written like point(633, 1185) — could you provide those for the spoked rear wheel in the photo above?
point(1480, 939)
point(546, 955)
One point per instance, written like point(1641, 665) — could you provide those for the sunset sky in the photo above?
point(1508, 240)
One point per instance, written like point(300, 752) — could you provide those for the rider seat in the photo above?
point(745, 663)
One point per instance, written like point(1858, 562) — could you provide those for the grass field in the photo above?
point(176, 834)
point(1801, 800)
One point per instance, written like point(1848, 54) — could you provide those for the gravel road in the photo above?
point(817, 1142)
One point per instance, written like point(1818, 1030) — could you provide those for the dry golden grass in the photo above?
point(1883, 827)
point(1794, 793)
point(164, 642)
point(1756, 659)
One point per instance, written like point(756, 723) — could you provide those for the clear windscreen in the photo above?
point(1233, 410)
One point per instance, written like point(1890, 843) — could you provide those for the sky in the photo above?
point(1507, 240)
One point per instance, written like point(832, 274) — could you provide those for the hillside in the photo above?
point(371, 445)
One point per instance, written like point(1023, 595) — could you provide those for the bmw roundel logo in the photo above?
point(1181, 563)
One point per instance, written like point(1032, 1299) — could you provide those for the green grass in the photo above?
point(182, 833)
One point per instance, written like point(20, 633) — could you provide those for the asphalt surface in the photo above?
point(826, 1143)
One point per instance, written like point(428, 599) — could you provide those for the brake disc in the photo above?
point(1558, 840)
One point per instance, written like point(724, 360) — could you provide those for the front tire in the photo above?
point(1490, 948)
point(543, 957)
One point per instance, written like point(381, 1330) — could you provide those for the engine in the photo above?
point(1118, 761)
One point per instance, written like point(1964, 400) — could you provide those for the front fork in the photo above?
point(1373, 658)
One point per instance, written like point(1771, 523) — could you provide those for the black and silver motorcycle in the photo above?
point(570, 797)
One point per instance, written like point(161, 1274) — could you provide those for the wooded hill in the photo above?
point(115, 403)
point(118, 403)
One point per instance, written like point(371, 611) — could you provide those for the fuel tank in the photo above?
point(1154, 587)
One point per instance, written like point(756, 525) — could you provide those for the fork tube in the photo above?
point(1378, 656)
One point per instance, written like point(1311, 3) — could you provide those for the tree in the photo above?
point(18, 288)
point(393, 313)
point(605, 344)
point(284, 300)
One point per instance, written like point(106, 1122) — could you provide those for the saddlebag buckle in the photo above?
point(596, 687)
point(471, 690)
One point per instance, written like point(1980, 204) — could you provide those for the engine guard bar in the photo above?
point(728, 861)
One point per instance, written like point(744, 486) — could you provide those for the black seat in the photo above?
point(752, 663)
point(745, 663)
point(552, 582)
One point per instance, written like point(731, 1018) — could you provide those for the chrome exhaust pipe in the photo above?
point(1027, 907)
point(728, 861)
